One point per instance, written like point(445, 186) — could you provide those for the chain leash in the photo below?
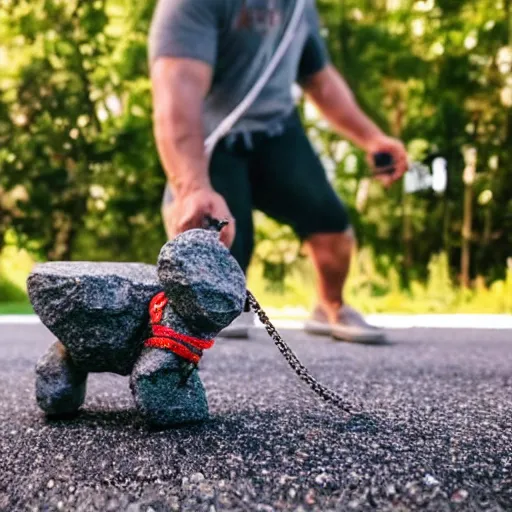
point(303, 373)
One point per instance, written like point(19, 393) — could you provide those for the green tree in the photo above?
point(80, 176)
point(76, 131)
point(430, 71)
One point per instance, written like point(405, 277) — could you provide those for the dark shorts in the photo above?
point(280, 175)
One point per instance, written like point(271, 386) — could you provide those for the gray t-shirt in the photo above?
point(238, 38)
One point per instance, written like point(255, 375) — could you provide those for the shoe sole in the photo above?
point(319, 328)
point(363, 339)
point(323, 329)
point(235, 332)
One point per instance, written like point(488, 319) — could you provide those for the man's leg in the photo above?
point(290, 184)
point(230, 178)
point(330, 254)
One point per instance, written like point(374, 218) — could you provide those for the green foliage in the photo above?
point(277, 250)
point(438, 294)
point(80, 176)
point(374, 287)
point(438, 75)
point(15, 265)
point(77, 147)
point(9, 292)
point(16, 308)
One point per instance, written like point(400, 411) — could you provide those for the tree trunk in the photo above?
point(446, 227)
point(466, 235)
point(398, 116)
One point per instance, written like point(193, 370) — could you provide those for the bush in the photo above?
point(373, 286)
point(15, 265)
point(9, 292)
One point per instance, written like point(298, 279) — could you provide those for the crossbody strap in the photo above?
point(233, 117)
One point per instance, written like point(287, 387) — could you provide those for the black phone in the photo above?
point(383, 163)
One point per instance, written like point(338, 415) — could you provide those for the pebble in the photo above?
point(390, 490)
point(322, 478)
point(195, 478)
point(430, 480)
point(309, 499)
point(459, 496)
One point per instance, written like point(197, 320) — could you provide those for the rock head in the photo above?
point(203, 282)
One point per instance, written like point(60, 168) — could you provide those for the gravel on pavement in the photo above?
point(439, 437)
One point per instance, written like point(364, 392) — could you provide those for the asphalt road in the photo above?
point(441, 438)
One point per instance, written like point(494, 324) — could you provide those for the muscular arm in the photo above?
point(330, 93)
point(332, 96)
point(179, 88)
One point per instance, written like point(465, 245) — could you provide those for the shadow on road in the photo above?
point(108, 419)
point(230, 427)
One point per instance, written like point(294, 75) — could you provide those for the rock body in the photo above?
point(99, 312)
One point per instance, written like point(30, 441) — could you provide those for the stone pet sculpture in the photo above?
point(151, 323)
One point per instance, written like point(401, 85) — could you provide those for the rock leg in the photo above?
point(60, 385)
point(162, 395)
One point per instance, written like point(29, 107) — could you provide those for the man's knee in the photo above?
point(336, 241)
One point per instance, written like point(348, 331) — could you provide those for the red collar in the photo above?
point(187, 347)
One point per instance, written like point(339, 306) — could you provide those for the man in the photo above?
point(205, 55)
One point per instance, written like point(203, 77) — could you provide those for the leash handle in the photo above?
point(383, 163)
point(213, 224)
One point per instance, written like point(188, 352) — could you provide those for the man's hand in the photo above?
point(188, 211)
point(332, 96)
point(384, 144)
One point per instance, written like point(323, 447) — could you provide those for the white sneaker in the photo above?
point(239, 327)
point(351, 326)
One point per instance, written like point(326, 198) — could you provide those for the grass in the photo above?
point(372, 292)
point(15, 266)
point(16, 308)
point(369, 290)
